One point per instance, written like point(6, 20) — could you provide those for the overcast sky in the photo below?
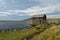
point(21, 9)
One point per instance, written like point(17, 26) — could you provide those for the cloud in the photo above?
point(5, 13)
point(35, 11)
point(38, 10)
point(3, 3)
point(2, 15)
point(13, 1)
point(44, 3)
point(54, 16)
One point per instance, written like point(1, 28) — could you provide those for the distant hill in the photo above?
point(30, 19)
point(54, 19)
point(49, 19)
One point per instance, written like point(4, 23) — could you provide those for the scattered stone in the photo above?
point(14, 30)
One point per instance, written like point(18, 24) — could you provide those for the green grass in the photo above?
point(52, 33)
point(17, 35)
point(20, 34)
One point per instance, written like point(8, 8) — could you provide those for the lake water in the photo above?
point(14, 25)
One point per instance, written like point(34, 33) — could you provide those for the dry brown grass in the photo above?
point(52, 33)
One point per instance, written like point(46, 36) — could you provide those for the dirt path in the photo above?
point(38, 33)
point(34, 35)
point(52, 31)
point(30, 37)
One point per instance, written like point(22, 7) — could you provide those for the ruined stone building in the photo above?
point(39, 19)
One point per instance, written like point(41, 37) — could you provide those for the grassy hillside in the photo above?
point(52, 33)
point(54, 19)
point(16, 35)
point(49, 19)
point(20, 34)
point(28, 19)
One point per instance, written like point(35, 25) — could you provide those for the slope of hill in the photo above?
point(54, 19)
point(52, 33)
point(49, 19)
